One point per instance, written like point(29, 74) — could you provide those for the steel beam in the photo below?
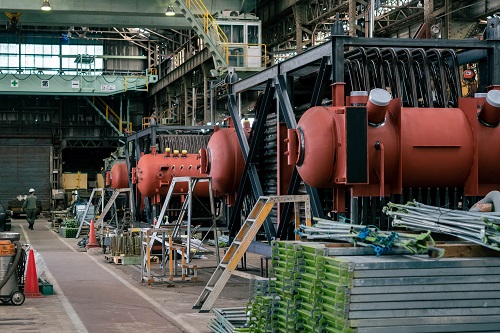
point(250, 153)
point(288, 115)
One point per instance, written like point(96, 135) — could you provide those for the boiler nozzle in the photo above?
point(378, 100)
point(490, 111)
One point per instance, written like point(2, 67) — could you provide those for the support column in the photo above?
point(187, 121)
point(299, 12)
point(428, 15)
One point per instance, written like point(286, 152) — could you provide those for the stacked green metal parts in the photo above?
point(320, 288)
point(287, 264)
point(321, 291)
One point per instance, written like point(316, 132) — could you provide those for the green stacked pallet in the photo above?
point(309, 290)
point(258, 288)
point(287, 264)
point(330, 289)
point(262, 311)
point(335, 294)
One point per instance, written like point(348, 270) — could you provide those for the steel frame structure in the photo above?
point(141, 142)
point(326, 62)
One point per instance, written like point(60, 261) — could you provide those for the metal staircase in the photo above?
point(240, 244)
point(110, 114)
point(103, 116)
point(207, 29)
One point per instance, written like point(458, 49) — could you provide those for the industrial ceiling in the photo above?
point(110, 13)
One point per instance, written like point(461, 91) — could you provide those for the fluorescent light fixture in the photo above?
point(170, 11)
point(46, 6)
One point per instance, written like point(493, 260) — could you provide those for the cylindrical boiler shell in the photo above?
point(225, 161)
point(489, 154)
point(155, 174)
point(119, 175)
point(437, 147)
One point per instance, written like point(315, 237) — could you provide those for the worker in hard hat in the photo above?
point(29, 207)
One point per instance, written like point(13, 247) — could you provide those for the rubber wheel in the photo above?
point(17, 298)
point(5, 300)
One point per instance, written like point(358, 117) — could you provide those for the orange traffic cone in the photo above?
point(92, 239)
point(31, 288)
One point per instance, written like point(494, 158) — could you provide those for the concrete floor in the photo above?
point(93, 295)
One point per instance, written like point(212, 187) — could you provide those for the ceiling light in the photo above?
point(170, 11)
point(46, 6)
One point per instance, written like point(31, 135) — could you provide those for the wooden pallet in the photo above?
point(117, 260)
point(465, 250)
point(109, 258)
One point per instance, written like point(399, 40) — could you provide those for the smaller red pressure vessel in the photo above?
point(155, 172)
point(118, 174)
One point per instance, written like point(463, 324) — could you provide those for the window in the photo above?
point(47, 58)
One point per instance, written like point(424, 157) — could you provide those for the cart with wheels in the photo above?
point(12, 264)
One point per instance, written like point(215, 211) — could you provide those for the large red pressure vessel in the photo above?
point(223, 159)
point(406, 147)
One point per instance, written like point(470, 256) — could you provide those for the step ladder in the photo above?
point(85, 221)
point(240, 244)
point(107, 207)
point(111, 202)
point(175, 227)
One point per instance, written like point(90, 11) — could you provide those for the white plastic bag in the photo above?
point(39, 262)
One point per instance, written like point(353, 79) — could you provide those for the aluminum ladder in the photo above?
point(87, 206)
point(240, 244)
point(111, 202)
point(147, 245)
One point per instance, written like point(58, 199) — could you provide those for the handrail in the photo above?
point(210, 25)
point(108, 110)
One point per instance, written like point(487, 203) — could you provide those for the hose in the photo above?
point(13, 267)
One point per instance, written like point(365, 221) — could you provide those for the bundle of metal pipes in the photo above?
point(191, 143)
point(229, 320)
point(477, 227)
point(423, 78)
point(127, 243)
point(368, 236)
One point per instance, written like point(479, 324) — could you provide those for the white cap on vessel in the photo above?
point(32, 190)
point(493, 98)
point(379, 97)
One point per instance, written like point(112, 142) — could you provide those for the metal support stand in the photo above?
point(177, 226)
point(105, 210)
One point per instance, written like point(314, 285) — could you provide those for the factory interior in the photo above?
point(264, 166)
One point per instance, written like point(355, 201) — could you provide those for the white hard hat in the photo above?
point(32, 190)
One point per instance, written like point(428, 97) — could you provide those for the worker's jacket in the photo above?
point(30, 202)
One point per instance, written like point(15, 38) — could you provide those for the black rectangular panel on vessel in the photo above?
point(356, 145)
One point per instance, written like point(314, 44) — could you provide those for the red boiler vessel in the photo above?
point(377, 153)
point(118, 176)
point(223, 160)
point(154, 173)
